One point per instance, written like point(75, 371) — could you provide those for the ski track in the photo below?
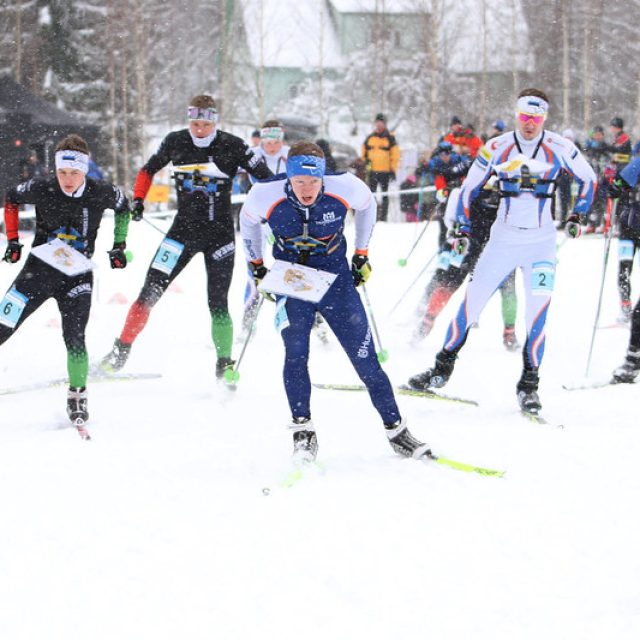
point(159, 526)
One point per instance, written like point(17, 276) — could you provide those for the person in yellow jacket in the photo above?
point(381, 154)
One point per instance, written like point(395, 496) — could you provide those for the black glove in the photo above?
point(13, 252)
point(258, 271)
point(460, 239)
point(618, 188)
point(117, 256)
point(137, 209)
point(360, 269)
point(573, 226)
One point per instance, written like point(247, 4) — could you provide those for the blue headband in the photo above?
point(305, 166)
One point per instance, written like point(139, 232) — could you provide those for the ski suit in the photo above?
point(629, 242)
point(75, 220)
point(203, 223)
point(274, 202)
point(524, 233)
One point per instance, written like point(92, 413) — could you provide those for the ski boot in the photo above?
point(305, 443)
point(436, 377)
point(222, 366)
point(527, 392)
point(116, 358)
point(403, 443)
point(77, 404)
point(629, 370)
point(509, 339)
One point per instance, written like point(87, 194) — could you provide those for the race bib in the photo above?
point(167, 256)
point(11, 308)
point(625, 250)
point(443, 261)
point(543, 276)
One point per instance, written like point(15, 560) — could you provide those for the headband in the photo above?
point(67, 159)
point(532, 105)
point(210, 114)
point(272, 133)
point(305, 166)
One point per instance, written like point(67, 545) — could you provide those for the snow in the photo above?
point(159, 527)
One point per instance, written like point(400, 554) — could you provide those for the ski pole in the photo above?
point(156, 227)
point(611, 214)
point(404, 295)
point(403, 261)
point(383, 354)
point(233, 375)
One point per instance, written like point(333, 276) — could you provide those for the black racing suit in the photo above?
point(203, 223)
point(75, 220)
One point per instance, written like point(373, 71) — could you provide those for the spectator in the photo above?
point(330, 161)
point(381, 153)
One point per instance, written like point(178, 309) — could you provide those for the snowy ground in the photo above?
point(159, 527)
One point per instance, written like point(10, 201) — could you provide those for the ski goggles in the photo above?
point(305, 166)
point(202, 113)
point(272, 133)
point(525, 117)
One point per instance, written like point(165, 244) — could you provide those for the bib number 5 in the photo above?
point(167, 256)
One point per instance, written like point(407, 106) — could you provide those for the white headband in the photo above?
point(272, 133)
point(67, 159)
point(532, 105)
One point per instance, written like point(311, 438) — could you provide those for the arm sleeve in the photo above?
point(24, 193)
point(253, 164)
point(120, 205)
point(142, 184)
point(394, 156)
point(161, 158)
point(365, 208)
point(577, 164)
point(250, 227)
point(478, 174)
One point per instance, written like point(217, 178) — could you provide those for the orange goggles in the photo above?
point(525, 117)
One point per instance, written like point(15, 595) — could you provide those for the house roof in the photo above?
point(286, 33)
point(16, 98)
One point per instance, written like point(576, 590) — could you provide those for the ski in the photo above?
point(93, 378)
point(463, 466)
point(536, 418)
point(402, 390)
point(595, 384)
point(295, 476)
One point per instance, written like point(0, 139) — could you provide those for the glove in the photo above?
point(117, 256)
point(360, 269)
point(461, 239)
point(258, 271)
point(442, 195)
point(573, 226)
point(13, 252)
point(137, 209)
point(617, 188)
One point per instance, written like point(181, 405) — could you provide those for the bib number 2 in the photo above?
point(11, 308)
point(167, 256)
point(543, 275)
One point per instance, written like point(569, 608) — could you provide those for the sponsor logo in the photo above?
point(363, 349)
point(254, 161)
point(224, 251)
point(79, 290)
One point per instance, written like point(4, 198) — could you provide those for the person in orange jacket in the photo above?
point(381, 154)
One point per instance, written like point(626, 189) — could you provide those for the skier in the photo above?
point(203, 223)
point(306, 212)
point(69, 208)
point(274, 153)
point(625, 189)
point(526, 162)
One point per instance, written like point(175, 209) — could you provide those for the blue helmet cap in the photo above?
point(445, 147)
point(499, 125)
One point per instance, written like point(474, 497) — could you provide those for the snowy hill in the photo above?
point(160, 528)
